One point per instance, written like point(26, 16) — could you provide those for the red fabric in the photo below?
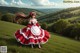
point(37, 24)
point(28, 34)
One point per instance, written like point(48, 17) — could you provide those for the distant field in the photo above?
point(56, 44)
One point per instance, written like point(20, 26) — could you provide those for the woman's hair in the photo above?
point(23, 16)
point(31, 14)
point(20, 14)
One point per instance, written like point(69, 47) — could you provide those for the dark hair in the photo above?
point(31, 14)
point(22, 15)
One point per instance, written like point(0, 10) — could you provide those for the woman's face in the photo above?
point(33, 16)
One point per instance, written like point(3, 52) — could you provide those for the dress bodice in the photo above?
point(33, 21)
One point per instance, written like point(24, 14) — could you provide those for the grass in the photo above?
point(56, 44)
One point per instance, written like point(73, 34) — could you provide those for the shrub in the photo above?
point(73, 31)
point(8, 17)
point(59, 26)
point(67, 31)
point(24, 22)
point(44, 25)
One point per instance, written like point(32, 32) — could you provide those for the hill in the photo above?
point(63, 14)
point(56, 44)
point(47, 11)
point(4, 9)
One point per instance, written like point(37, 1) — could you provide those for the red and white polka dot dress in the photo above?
point(32, 34)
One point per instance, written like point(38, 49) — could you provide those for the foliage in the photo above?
point(60, 25)
point(73, 31)
point(24, 22)
point(8, 17)
point(44, 25)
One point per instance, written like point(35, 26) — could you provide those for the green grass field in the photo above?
point(56, 44)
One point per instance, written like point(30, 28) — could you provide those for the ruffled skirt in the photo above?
point(29, 35)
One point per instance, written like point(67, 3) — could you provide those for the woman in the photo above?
point(32, 34)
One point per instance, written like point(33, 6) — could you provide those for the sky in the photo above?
point(39, 3)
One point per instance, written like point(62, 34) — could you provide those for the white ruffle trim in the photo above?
point(42, 42)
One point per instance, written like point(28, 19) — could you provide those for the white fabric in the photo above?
point(34, 21)
point(35, 30)
point(43, 34)
point(28, 28)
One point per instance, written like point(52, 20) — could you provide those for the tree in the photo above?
point(73, 31)
point(60, 25)
point(67, 31)
point(24, 22)
point(44, 25)
point(8, 17)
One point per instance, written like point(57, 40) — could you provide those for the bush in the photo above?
point(76, 31)
point(44, 25)
point(24, 22)
point(0, 15)
point(59, 26)
point(67, 31)
point(8, 17)
point(73, 31)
